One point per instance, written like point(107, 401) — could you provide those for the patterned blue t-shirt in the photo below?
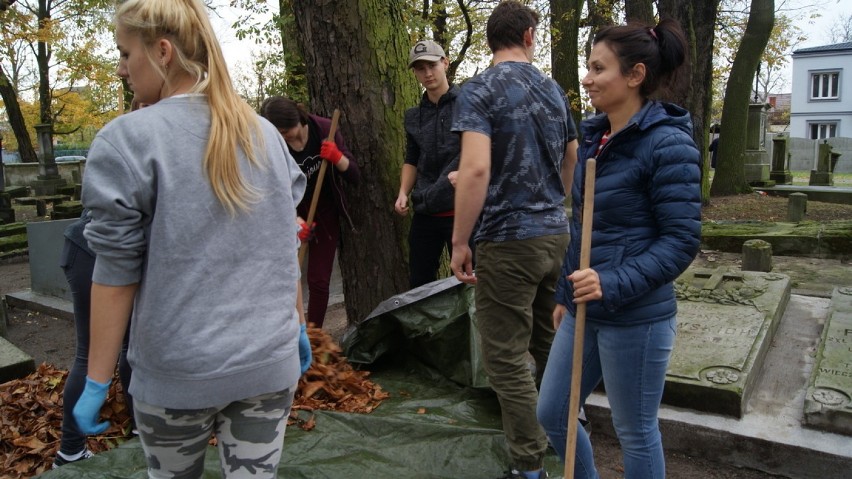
point(526, 115)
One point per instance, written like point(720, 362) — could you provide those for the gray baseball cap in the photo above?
point(425, 50)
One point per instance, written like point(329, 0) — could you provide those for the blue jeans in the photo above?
point(632, 362)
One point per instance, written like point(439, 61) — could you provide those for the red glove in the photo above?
point(306, 233)
point(330, 152)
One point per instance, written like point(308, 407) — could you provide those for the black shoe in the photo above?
point(59, 461)
point(516, 474)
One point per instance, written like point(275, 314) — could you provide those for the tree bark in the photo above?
point(16, 120)
point(639, 11)
point(294, 59)
point(695, 93)
point(564, 52)
point(356, 57)
point(730, 170)
point(43, 62)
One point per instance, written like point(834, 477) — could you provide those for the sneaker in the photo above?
point(60, 459)
point(516, 474)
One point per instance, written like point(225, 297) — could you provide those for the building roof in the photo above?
point(837, 47)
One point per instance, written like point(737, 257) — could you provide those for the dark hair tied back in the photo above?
point(662, 49)
point(283, 112)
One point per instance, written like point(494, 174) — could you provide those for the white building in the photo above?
point(821, 102)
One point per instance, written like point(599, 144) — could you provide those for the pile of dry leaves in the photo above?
point(31, 408)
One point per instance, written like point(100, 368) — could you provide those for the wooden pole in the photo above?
point(303, 249)
point(580, 326)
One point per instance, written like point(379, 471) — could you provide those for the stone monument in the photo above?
point(48, 179)
point(780, 173)
point(823, 175)
point(726, 322)
point(756, 156)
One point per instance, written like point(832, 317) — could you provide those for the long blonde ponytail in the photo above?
point(233, 124)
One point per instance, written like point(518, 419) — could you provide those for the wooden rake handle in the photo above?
point(580, 320)
point(303, 249)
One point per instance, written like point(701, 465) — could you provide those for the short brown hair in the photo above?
point(507, 24)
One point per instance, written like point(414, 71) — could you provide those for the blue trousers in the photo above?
point(632, 362)
point(78, 266)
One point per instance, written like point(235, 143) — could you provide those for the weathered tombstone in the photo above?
point(828, 401)
point(7, 213)
point(14, 363)
point(780, 173)
point(757, 256)
point(41, 207)
point(46, 239)
point(726, 322)
point(822, 175)
point(48, 178)
point(797, 207)
point(756, 157)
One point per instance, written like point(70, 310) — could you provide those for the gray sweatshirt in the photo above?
point(214, 317)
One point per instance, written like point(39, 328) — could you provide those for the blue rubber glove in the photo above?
point(88, 407)
point(305, 356)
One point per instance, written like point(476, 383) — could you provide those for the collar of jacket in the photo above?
point(652, 113)
point(449, 96)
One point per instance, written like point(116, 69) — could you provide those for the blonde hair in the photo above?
point(233, 123)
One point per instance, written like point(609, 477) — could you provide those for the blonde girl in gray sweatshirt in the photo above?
point(193, 223)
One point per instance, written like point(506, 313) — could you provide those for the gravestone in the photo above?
point(48, 179)
point(780, 173)
point(828, 402)
point(726, 321)
point(797, 207)
point(756, 157)
point(823, 175)
point(46, 239)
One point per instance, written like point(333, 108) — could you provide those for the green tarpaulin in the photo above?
point(439, 422)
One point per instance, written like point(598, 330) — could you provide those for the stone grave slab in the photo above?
point(726, 321)
point(828, 401)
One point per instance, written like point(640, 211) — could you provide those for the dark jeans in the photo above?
point(78, 266)
point(321, 251)
point(426, 241)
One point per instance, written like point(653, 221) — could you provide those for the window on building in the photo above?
point(818, 131)
point(825, 85)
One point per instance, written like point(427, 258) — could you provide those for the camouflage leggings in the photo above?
point(250, 436)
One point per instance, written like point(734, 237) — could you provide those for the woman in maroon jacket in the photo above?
point(305, 135)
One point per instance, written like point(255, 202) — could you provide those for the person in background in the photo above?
point(714, 148)
point(518, 151)
point(646, 230)
point(78, 262)
point(193, 205)
point(431, 161)
point(306, 137)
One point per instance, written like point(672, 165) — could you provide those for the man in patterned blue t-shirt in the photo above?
point(518, 151)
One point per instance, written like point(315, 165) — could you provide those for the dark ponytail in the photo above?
point(662, 49)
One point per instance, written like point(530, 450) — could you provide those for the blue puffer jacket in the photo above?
point(647, 214)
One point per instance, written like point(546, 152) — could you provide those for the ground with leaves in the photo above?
point(758, 207)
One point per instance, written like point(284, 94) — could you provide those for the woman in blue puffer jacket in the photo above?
point(646, 232)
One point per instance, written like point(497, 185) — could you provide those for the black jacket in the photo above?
point(434, 150)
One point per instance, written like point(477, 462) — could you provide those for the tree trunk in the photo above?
point(564, 52)
point(43, 62)
point(730, 170)
point(16, 120)
point(698, 20)
point(356, 57)
point(639, 11)
point(294, 60)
